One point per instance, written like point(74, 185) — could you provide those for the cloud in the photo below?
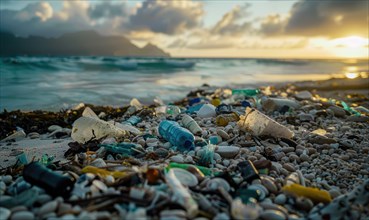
point(275, 44)
point(40, 19)
point(178, 43)
point(108, 10)
point(231, 23)
point(210, 45)
point(330, 18)
point(167, 17)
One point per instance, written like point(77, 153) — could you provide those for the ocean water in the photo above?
point(54, 83)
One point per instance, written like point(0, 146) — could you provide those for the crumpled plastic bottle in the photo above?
point(189, 123)
point(176, 135)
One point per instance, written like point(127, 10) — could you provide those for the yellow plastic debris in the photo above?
point(102, 172)
point(316, 195)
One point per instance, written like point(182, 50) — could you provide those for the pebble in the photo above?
point(48, 207)
point(338, 112)
point(223, 134)
point(7, 179)
point(272, 214)
point(4, 213)
point(289, 167)
point(185, 177)
point(22, 215)
point(227, 151)
point(309, 176)
point(177, 159)
point(334, 193)
point(306, 117)
point(304, 157)
point(303, 95)
point(280, 199)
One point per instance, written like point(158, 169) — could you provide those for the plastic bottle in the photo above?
point(223, 120)
point(189, 123)
point(173, 110)
point(133, 120)
point(176, 135)
point(53, 183)
point(245, 92)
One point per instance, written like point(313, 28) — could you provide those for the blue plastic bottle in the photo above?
point(176, 135)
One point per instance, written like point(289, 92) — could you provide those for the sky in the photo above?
point(216, 28)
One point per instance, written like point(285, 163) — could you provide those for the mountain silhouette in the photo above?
point(83, 43)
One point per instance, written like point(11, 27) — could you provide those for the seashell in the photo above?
point(185, 177)
point(23, 215)
point(269, 184)
point(214, 183)
point(33, 135)
point(227, 151)
point(48, 208)
point(207, 111)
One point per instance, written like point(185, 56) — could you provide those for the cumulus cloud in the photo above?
point(330, 18)
point(231, 23)
point(108, 10)
point(167, 17)
point(40, 19)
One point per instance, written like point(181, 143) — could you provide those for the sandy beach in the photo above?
point(318, 144)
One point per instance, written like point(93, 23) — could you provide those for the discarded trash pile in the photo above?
point(217, 154)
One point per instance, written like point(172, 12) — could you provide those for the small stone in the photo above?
point(356, 118)
point(334, 193)
point(177, 159)
point(337, 111)
point(319, 139)
point(188, 159)
point(48, 208)
point(289, 167)
point(303, 95)
point(306, 117)
point(64, 208)
point(22, 215)
point(162, 152)
point(304, 157)
point(345, 157)
point(223, 134)
point(4, 213)
point(18, 208)
point(55, 128)
point(310, 176)
point(280, 199)
point(304, 204)
point(7, 179)
point(44, 198)
point(272, 214)
point(227, 151)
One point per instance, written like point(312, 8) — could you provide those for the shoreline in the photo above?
point(328, 151)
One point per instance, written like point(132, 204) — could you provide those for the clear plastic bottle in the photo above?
point(176, 135)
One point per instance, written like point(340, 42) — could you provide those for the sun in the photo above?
point(351, 42)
